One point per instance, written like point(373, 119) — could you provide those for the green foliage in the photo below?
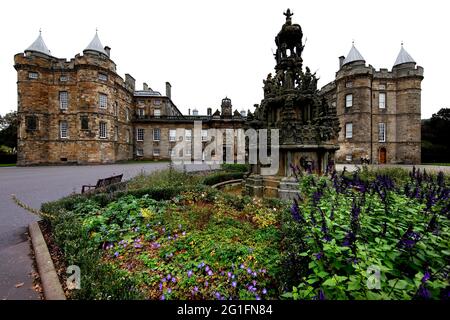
point(218, 177)
point(235, 167)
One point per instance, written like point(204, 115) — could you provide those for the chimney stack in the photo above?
point(145, 86)
point(168, 90)
point(341, 61)
point(209, 111)
point(189, 111)
point(108, 51)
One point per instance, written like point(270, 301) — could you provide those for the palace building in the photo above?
point(80, 111)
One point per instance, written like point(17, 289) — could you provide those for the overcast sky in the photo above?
point(211, 49)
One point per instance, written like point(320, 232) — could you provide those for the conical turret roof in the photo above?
point(403, 57)
point(96, 45)
point(39, 46)
point(353, 56)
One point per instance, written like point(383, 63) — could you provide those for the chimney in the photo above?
point(341, 61)
point(189, 111)
point(108, 51)
point(168, 90)
point(145, 86)
point(129, 80)
point(209, 111)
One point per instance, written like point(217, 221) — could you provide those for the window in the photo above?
point(140, 134)
point(127, 136)
point(84, 123)
point(156, 152)
point(204, 135)
point(31, 123)
point(33, 75)
point(348, 157)
point(141, 112)
point(157, 102)
point(116, 133)
point(172, 135)
point(102, 77)
point(188, 134)
point(127, 114)
point(63, 129)
point(349, 84)
point(157, 113)
point(102, 130)
point(382, 100)
point(156, 134)
point(63, 100)
point(348, 100)
point(381, 132)
point(103, 100)
point(64, 78)
point(349, 130)
point(139, 152)
point(116, 109)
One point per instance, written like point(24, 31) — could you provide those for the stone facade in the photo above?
point(379, 99)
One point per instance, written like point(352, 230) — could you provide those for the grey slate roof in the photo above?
point(403, 57)
point(39, 46)
point(353, 56)
point(96, 45)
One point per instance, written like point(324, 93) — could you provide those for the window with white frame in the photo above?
point(204, 135)
point(188, 134)
point(140, 134)
point(139, 152)
point(63, 129)
point(102, 77)
point(349, 130)
point(102, 130)
point(157, 112)
point(381, 132)
point(103, 100)
point(382, 100)
point(156, 134)
point(33, 75)
point(348, 100)
point(63, 100)
point(156, 152)
point(172, 135)
point(141, 112)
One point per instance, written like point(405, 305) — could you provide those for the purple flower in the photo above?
point(321, 295)
point(174, 280)
point(242, 266)
point(423, 292)
point(116, 254)
point(163, 297)
point(254, 274)
point(195, 289)
point(426, 277)
point(264, 291)
point(210, 273)
point(250, 288)
point(254, 282)
point(234, 284)
point(206, 283)
point(257, 297)
point(318, 255)
point(207, 268)
point(189, 273)
point(164, 280)
point(160, 286)
point(295, 211)
point(169, 290)
point(217, 295)
point(184, 233)
point(229, 274)
point(249, 270)
point(169, 277)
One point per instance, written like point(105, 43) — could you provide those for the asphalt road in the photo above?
point(33, 186)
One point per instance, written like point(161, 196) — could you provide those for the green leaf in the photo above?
point(331, 282)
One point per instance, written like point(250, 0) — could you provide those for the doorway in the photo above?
point(382, 159)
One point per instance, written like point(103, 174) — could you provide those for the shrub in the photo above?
point(221, 177)
point(235, 167)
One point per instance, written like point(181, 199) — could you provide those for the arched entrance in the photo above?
point(382, 156)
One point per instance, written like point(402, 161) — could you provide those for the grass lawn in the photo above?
point(7, 164)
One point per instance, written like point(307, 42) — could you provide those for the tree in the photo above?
point(8, 129)
point(436, 137)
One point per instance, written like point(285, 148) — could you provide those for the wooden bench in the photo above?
point(102, 183)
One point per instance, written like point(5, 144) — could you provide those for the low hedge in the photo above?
point(221, 177)
point(235, 167)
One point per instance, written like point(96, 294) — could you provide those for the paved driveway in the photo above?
point(33, 186)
